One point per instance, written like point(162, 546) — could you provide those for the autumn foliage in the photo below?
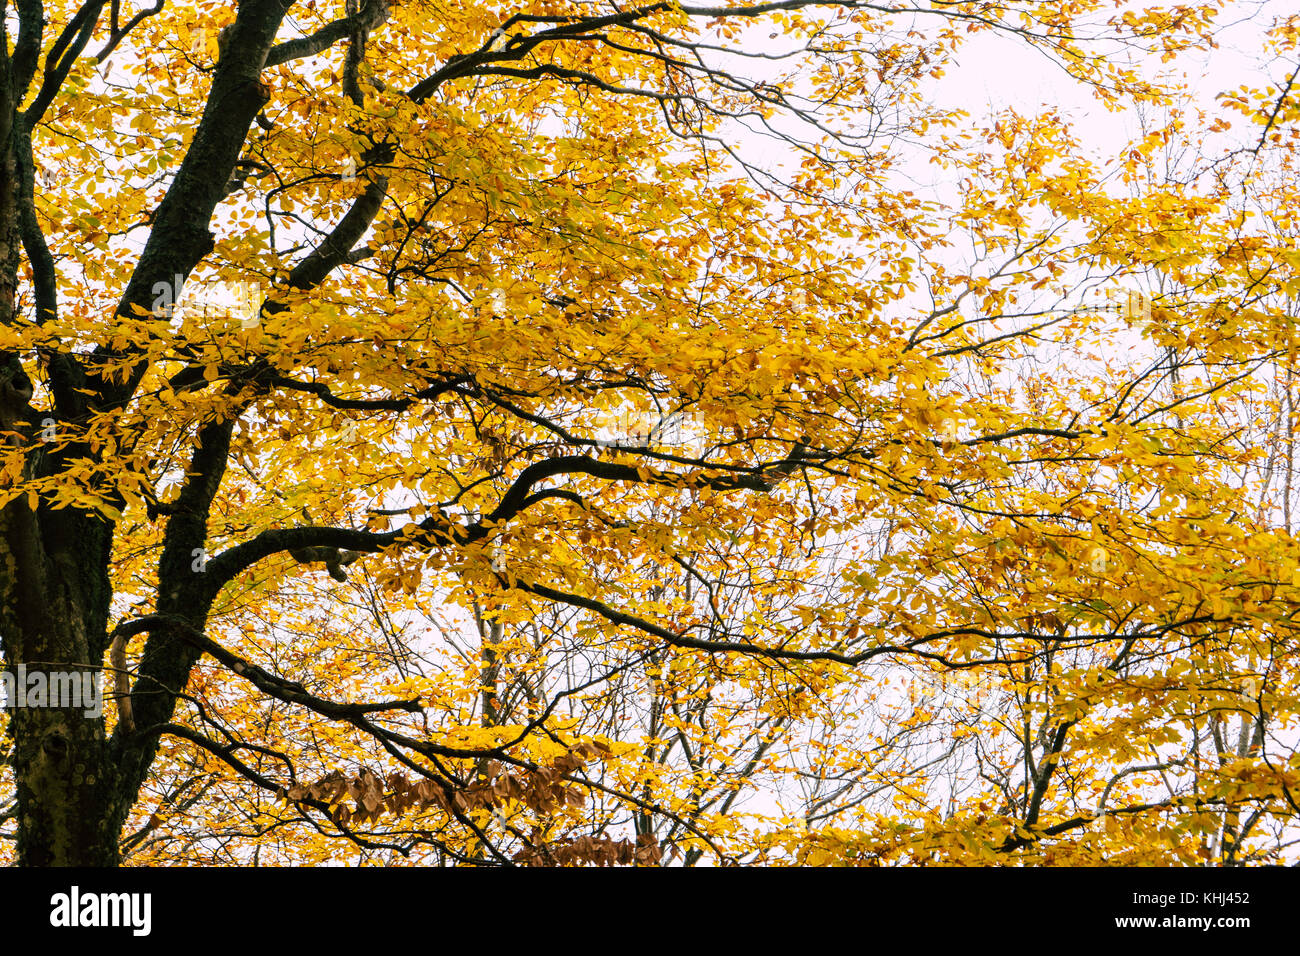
point(561, 433)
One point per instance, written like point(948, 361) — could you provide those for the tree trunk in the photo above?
point(54, 601)
point(53, 613)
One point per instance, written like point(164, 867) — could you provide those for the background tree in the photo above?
point(650, 429)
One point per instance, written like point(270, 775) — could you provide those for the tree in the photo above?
point(650, 430)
